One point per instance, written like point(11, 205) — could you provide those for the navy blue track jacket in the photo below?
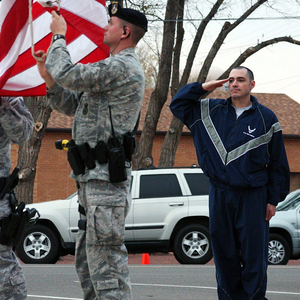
point(247, 151)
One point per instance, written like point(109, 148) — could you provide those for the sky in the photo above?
point(277, 67)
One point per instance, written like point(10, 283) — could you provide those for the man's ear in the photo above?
point(126, 32)
point(252, 84)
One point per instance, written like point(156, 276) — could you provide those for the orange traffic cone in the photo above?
point(145, 259)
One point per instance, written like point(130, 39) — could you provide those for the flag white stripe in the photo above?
point(97, 12)
point(21, 81)
point(92, 6)
point(42, 23)
point(11, 57)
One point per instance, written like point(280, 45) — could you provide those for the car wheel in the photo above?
point(192, 245)
point(39, 245)
point(279, 250)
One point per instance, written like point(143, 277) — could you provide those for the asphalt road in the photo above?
point(155, 282)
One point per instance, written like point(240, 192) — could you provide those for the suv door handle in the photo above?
point(176, 204)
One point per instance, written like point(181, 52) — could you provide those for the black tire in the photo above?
point(279, 250)
point(192, 245)
point(39, 245)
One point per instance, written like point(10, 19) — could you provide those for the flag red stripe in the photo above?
point(31, 92)
point(12, 25)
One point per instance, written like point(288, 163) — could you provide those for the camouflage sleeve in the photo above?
point(103, 76)
point(15, 119)
point(63, 100)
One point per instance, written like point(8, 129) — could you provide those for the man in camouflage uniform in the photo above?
point(16, 125)
point(86, 92)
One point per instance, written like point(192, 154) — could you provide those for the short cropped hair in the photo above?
point(249, 72)
point(136, 31)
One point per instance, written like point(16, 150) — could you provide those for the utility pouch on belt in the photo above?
point(85, 153)
point(129, 145)
point(13, 226)
point(116, 164)
point(74, 158)
point(9, 228)
point(101, 152)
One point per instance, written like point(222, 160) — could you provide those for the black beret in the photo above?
point(127, 14)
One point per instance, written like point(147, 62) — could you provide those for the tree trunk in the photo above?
point(167, 155)
point(170, 144)
point(142, 157)
point(28, 151)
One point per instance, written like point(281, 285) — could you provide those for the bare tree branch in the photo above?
point(196, 42)
point(252, 50)
point(226, 29)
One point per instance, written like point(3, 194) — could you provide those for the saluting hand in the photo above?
point(212, 85)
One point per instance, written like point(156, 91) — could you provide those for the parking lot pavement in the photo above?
point(136, 259)
point(155, 259)
point(158, 282)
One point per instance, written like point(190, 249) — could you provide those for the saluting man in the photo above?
point(240, 147)
point(90, 93)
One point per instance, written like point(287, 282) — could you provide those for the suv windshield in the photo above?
point(291, 201)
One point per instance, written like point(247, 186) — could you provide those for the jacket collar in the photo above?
point(252, 99)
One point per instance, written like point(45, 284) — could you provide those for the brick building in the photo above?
point(52, 177)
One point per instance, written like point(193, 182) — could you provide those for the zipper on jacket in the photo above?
point(230, 141)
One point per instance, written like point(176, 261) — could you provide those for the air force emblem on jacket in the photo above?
point(250, 131)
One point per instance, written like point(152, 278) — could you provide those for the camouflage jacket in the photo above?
point(16, 125)
point(86, 91)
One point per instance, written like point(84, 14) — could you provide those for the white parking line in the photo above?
point(178, 286)
point(52, 297)
point(206, 288)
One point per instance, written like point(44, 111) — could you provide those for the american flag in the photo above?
point(18, 72)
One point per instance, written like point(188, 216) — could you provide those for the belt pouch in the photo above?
point(116, 164)
point(129, 145)
point(21, 228)
point(8, 229)
point(85, 153)
point(75, 161)
point(101, 152)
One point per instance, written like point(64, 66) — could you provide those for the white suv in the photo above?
point(169, 212)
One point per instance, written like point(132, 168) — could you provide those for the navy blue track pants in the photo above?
point(239, 235)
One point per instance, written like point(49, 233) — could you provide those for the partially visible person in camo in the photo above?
point(16, 125)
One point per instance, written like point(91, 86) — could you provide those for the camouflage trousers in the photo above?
point(101, 257)
point(12, 280)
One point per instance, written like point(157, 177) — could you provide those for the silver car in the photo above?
point(284, 242)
